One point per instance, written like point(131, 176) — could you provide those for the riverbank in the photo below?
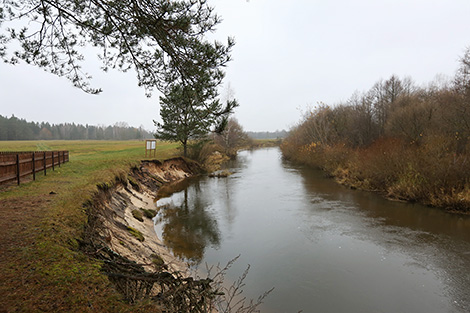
point(42, 264)
point(120, 233)
point(120, 216)
point(315, 241)
point(426, 174)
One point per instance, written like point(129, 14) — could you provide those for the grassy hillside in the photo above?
point(41, 266)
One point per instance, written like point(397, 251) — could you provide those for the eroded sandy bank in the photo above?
point(121, 231)
point(139, 196)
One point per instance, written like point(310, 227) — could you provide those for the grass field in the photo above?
point(41, 267)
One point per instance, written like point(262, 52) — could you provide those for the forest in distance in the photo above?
point(14, 128)
point(408, 142)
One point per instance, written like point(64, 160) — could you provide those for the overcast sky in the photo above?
point(289, 54)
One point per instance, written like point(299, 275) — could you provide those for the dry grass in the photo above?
point(428, 173)
point(41, 265)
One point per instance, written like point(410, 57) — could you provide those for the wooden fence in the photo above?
point(16, 165)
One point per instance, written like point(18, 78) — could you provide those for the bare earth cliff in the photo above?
point(132, 206)
point(121, 233)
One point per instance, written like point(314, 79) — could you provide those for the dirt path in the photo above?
point(18, 229)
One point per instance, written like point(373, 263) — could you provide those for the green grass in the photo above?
point(62, 276)
point(91, 162)
point(137, 234)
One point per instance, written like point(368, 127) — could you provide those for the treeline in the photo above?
point(407, 141)
point(14, 128)
point(278, 134)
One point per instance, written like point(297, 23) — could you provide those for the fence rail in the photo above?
point(17, 165)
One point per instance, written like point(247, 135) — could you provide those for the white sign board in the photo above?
point(150, 145)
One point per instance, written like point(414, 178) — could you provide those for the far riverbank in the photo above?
point(420, 174)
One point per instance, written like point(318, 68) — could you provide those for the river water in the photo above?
point(322, 246)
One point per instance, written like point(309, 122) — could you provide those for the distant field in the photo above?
point(91, 162)
point(134, 148)
point(42, 224)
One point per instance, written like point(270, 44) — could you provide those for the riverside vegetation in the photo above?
point(45, 265)
point(408, 142)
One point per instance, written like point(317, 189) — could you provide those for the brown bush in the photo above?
point(410, 143)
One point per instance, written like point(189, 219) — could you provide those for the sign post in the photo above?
point(151, 145)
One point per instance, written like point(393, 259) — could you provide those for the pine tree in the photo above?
point(158, 39)
point(188, 113)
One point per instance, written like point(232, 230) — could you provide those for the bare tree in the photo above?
point(232, 138)
point(413, 117)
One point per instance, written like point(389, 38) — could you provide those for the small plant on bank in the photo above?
point(133, 183)
point(137, 234)
point(230, 299)
point(149, 213)
point(158, 262)
point(137, 214)
point(104, 186)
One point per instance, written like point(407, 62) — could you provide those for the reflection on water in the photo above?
point(188, 227)
point(324, 247)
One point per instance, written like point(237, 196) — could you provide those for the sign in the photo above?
point(151, 145)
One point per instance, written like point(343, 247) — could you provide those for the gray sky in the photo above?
point(288, 55)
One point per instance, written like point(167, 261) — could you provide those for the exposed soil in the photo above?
point(20, 219)
point(121, 231)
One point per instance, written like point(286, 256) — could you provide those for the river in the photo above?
point(322, 246)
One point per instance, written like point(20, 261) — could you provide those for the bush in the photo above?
point(410, 143)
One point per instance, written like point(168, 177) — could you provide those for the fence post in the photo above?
point(18, 168)
point(19, 164)
point(34, 166)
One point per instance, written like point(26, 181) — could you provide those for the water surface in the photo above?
point(322, 246)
